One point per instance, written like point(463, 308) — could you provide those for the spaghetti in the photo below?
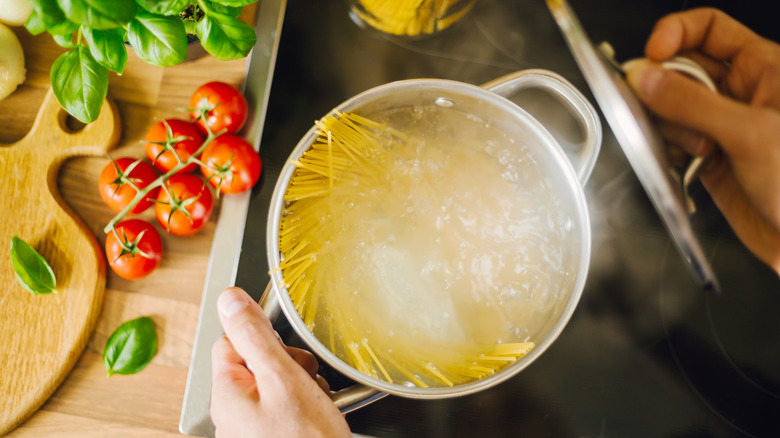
point(411, 17)
point(349, 152)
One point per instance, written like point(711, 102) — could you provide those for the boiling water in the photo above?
point(463, 242)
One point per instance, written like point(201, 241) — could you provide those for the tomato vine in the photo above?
point(142, 194)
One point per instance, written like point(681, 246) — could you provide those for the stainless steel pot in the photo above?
point(491, 103)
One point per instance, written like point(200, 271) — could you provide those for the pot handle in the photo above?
point(348, 399)
point(571, 98)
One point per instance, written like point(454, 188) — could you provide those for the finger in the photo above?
point(233, 387)
point(689, 141)
point(323, 384)
point(224, 356)
point(677, 157)
point(715, 68)
point(308, 362)
point(759, 84)
point(751, 227)
point(706, 29)
point(305, 359)
point(253, 337)
point(682, 100)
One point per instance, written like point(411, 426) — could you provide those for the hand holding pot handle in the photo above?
point(261, 388)
point(346, 400)
point(511, 84)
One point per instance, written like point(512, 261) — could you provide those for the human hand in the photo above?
point(743, 174)
point(260, 388)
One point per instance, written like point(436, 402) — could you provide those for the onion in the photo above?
point(14, 12)
point(11, 61)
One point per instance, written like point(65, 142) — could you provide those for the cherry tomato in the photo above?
point(188, 207)
point(231, 164)
point(135, 250)
point(184, 137)
point(224, 107)
point(115, 185)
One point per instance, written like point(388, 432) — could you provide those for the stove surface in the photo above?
point(646, 353)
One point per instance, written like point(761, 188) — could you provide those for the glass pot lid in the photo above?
point(638, 138)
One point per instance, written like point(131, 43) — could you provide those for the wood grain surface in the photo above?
point(45, 334)
point(87, 403)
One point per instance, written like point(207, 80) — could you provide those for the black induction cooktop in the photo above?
point(646, 354)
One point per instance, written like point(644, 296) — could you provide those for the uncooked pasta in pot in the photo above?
point(421, 246)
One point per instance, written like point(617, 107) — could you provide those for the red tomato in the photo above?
point(184, 138)
point(188, 207)
point(224, 107)
point(231, 164)
point(134, 250)
point(115, 185)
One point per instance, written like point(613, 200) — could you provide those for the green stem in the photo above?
point(160, 180)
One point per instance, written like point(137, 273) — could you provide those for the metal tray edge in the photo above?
point(226, 247)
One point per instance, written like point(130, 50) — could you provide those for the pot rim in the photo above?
point(510, 370)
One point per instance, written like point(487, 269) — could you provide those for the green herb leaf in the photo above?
point(131, 347)
point(234, 2)
point(63, 28)
point(233, 11)
point(48, 10)
point(65, 41)
point(107, 47)
point(35, 23)
point(47, 15)
point(164, 7)
point(32, 270)
point(225, 37)
point(158, 39)
point(99, 14)
point(80, 83)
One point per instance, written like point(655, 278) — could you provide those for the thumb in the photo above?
point(680, 99)
point(252, 335)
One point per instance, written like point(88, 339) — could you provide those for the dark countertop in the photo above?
point(646, 354)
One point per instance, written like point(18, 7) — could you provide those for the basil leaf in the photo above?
point(107, 47)
point(233, 11)
point(225, 37)
point(164, 7)
point(131, 347)
point(48, 11)
point(79, 83)
point(99, 14)
point(52, 18)
point(158, 39)
point(234, 2)
point(63, 28)
point(34, 23)
point(32, 270)
point(65, 41)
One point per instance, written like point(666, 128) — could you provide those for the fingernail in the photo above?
point(231, 301)
point(644, 77)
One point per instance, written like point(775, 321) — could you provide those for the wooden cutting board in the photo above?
point(42, 336)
